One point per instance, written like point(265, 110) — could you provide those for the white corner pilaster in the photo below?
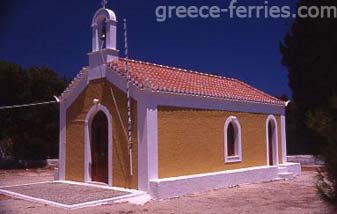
point(152, 133)
point(87, 153)
point(284, 139)
point(142, 146)
point(62, 142)
point(147, 143)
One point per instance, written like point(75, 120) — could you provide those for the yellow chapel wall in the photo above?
point(75, 116)
point(191, 141)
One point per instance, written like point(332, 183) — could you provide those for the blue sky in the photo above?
point(57, 34)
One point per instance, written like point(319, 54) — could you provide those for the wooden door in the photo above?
point(99, 148)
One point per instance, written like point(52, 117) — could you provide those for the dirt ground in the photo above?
point(294, 196)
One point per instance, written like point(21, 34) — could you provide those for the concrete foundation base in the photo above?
point(178, 186)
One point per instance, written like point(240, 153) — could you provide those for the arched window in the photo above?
point(232, 140)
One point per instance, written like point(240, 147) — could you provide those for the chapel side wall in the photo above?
point(191, 141)
point(76, 115)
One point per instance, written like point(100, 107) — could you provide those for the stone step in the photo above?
point(282, 169)
point(286, 175)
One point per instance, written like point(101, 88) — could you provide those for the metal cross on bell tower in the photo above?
point(104, 2)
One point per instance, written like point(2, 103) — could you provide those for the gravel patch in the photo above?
point(63, 193)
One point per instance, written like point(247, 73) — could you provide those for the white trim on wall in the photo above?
point(272, 118)
point(142, 146)
point(152, 138)
point(284, 139)
point(62, 143)
point(147, 123)
point(87, 150)
point(76, 91)
point(238, 143)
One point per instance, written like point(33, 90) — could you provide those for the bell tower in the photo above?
point(103, 37)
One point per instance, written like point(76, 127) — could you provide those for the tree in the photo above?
point(310, 55)
point(324, 121)
point(32, 131)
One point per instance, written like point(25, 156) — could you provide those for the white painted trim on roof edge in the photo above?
point(147, 124)
point(76, 91)
point(272, 118)
point(183, 185)
point(238, 143)
point(198, 102)
point(62, 142)
point(87, 150)
point(284, 139)
point(171, 99)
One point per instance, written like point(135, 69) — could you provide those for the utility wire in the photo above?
point(27, 105)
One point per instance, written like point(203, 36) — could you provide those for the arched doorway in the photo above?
point(99, 148)
point(271, 138)
point(271, 133)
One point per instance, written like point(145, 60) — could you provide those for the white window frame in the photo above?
point(238, 142)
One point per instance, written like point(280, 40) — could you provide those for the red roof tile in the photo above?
point(169, 79)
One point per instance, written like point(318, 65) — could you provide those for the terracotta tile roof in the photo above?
point(174, 80)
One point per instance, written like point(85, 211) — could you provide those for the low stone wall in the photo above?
point(304, 160)
point(52, 163)
point(293, 168)
point(27, 164)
